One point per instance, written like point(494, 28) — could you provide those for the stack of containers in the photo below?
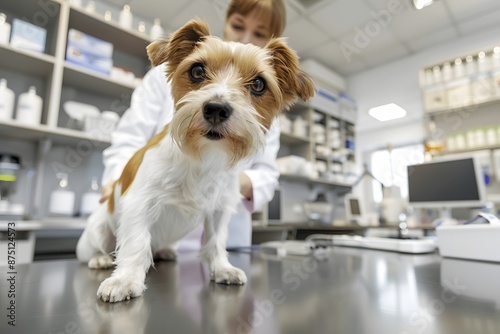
point(89, 52)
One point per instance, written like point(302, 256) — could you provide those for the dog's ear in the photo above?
point(286, 64)
point(180, 44)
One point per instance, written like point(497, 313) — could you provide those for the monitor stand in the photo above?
point(444, 218)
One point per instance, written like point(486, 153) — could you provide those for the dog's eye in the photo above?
point(197, 73)
point(258, 86)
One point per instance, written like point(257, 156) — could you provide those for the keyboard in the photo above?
point(413, 246)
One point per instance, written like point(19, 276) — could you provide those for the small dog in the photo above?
point(226, 95)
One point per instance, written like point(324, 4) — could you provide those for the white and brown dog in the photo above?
point(226, 96)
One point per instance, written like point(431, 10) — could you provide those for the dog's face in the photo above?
point(227, 93)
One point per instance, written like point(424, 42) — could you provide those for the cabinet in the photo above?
point(57, 144)
point(461, 97)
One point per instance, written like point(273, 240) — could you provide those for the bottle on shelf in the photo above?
point(62, 200)
point(76, 3)
point(436, 70)
point(458, 68)
point(90, 8)
point(4, 29)
point(482, 62)
point(126, 17)
point(108, 15)
point(29, 107)
point(156, 30)
point(141, 27)
point(6, 100)
point(470, 66)
point(90, 199)
point(495, 58)
point(447, 74)
point(429, 79)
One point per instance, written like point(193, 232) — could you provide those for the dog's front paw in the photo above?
point(229, 275)
point(115, 289)
point(101, 261)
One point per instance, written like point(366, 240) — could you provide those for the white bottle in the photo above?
point(458, 68)
point(482, 62)
point(62, 200)
point(6, 101)
point(126, 17)
point(470, 66)
point(156, 30)
point(29, 107)
point(4, 29)
point(76, 3)
point(90, 199)
point(447, 75)
point(495, 58)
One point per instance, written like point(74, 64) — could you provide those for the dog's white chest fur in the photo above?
point(179, 192)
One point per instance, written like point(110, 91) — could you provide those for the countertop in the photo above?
point(338, 290)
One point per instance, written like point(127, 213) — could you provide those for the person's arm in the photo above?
point(263, 174)
point(138, 124)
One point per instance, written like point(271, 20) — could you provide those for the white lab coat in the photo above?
point(151, 108)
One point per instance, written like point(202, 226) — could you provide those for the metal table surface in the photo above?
point(339, 290)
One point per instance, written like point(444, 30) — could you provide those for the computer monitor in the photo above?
point(353, 209)
point(447, 183)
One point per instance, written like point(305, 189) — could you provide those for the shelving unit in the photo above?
point(461, 96)
point(27, 62)
point(52, 143)
point(336, 122)
point(77, 76)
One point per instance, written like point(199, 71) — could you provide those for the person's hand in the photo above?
point(107, 189)
point(246, 188)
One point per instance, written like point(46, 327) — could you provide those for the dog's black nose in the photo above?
point(217, 112)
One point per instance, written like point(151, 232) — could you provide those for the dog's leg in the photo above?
point(167, 253)
point(214, 250)
point(97, 241)
point(133, 257)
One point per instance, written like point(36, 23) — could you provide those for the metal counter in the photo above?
point(339, 290)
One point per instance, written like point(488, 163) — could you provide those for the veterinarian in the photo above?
point(152, 107)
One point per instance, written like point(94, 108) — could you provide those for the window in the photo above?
point(389, 166)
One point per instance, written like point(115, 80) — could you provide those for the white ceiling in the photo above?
point(322, 30)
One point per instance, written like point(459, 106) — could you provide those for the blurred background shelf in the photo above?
point(26, 62)
point(77, 76)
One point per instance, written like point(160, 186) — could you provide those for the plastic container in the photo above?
point(156, 30)
point(29, 107)
point(319, 210)
point(495, 58)
point(470, 66)
point(6, 101)
point(62, 200)
point(126, 17)
point(90, 199)
point(458, 68)
point(483, 62)
point(447, 72)
point(4, 29)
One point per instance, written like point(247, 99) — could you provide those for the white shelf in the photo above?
point(47, 224)
point(297, 178)
point(290, 139)
point(14, 129)
point(127, 40)
point(26, 62)
point(78, 76)
point(494, 100)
